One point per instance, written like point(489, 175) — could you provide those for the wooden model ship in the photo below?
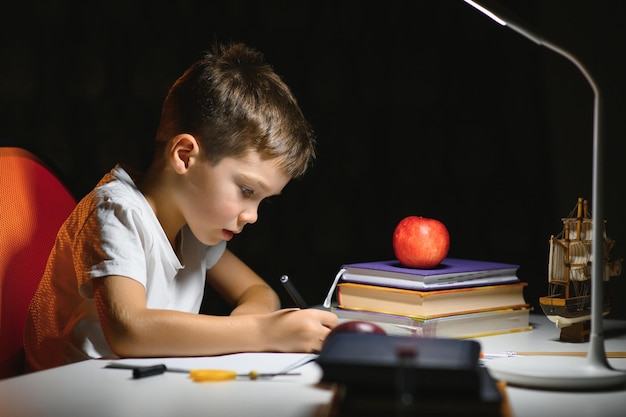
point(568, 303)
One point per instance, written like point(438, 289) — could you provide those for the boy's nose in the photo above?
point(249, 216)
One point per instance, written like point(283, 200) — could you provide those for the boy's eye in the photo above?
point(247, 192)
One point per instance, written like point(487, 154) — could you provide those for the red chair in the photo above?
point(33, 205)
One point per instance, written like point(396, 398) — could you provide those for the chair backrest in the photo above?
point(33, 205)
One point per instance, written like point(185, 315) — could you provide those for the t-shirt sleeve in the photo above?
point(110, 244)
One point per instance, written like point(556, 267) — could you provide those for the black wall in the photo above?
point(420, 108)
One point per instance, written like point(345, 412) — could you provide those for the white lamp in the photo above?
point(594, 371)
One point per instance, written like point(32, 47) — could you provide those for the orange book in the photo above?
point(430, 304)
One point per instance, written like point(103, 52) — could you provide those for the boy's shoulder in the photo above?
point(118, 181)
point(116, 190)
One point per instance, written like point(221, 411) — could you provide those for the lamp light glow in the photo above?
point(486, 11)
point(594, 371)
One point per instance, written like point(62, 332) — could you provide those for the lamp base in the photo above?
point(549, 372)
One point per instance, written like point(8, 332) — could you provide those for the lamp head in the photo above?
point(486, 11)
point(505, 17)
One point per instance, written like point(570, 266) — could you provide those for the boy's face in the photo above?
point(219, 200)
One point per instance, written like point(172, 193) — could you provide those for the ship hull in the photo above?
point(566, 312)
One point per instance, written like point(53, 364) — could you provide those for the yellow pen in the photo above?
point(200, 375)
point(197, 375)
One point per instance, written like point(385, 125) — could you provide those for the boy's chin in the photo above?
point(211, 239)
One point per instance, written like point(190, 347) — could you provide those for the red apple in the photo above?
point(420, 242)
point(357, 326)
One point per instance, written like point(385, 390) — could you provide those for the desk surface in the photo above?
point(87, 388)
point(545, 337)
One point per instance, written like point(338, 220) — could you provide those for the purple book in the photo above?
point(450, 270)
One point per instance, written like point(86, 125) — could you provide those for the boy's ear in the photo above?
point(183, 151)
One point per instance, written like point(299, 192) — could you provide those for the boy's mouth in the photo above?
point(227, 234)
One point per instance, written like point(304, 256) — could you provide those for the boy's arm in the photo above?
point(133, 330)
point(241, 287)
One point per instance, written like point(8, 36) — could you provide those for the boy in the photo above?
point(126, 275)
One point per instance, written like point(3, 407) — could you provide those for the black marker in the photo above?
point(144, 371)
point(295, 295)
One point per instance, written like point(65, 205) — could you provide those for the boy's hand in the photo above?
point(295, 330)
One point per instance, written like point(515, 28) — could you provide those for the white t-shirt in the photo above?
point(112, 231)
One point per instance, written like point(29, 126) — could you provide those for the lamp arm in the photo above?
point(596, 355)
point(596, 338)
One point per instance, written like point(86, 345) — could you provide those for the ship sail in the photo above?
point(580, 259)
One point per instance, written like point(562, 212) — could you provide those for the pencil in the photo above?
point(293, 292)
point(583, 354)
point(577, 354)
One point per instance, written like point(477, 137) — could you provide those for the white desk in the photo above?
point(86, 389)
point(545, 337)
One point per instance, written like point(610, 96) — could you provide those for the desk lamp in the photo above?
point(594, 371)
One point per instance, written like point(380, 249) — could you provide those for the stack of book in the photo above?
point(458, 299)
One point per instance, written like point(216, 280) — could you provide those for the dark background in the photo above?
point(420, 108)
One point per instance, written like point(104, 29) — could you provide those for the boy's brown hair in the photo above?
point(233, 102)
